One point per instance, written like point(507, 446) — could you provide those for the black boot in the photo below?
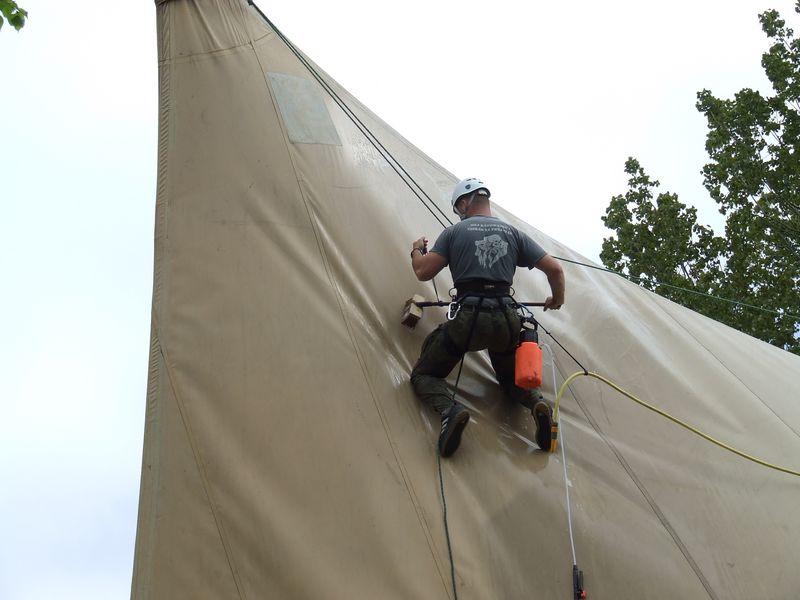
point(543, 417)
point(453, 423)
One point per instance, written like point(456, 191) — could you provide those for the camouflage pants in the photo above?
point(496, 330)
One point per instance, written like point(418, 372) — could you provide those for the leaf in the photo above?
point(15, 15)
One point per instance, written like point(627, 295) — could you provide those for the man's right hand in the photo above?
point(549, 304)
point(555, 277)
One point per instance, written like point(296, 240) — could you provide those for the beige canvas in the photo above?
point(285, 454)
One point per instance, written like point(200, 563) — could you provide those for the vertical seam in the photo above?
point(150, 477)
point(142, 574)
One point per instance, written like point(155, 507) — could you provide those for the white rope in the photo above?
point(563, 457)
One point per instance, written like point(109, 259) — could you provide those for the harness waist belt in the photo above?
point(488, 305)
point(487, 289)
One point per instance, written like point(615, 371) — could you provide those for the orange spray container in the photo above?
point(528, 360)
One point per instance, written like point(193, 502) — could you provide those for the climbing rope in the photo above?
point(563, 348)
point(396, 166)
point(682, 289)
point(408, 179)
point(445, 220)
point(446, 528)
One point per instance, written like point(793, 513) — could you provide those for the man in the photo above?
point(483, 253)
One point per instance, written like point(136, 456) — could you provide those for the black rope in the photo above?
point(466, 348)
point(585, 372)
point(446, 529)
point(371, 137)
point(683, 289)
point(395, 164)
point(439, 454)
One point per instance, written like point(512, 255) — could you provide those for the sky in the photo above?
point(544, 101)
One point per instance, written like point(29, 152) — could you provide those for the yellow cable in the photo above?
point(663, 414)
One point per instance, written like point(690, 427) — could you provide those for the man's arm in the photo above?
point(555, 276)
point(426, 266)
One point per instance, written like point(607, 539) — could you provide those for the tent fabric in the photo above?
point(285, 454)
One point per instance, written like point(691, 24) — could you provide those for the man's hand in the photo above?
point(421, 244)
point(550, 305)
point(555, 277)
point(426, 265)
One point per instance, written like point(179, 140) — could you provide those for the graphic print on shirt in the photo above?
point(490, 249)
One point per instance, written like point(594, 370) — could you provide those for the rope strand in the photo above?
point(682, 289)
point(585, 372)
point(446, 528)
point(364, 129)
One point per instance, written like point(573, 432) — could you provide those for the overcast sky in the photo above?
point(544, 101)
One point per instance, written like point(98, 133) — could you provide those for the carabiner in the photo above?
point(452, 310)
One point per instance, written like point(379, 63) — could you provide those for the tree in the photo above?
point(660, 243)
point(13, 14)
point(753, 174)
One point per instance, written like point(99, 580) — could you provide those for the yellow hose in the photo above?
point(694, 430)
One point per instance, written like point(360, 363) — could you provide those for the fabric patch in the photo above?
point(303, 110)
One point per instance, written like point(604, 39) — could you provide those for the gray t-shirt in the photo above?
point(486, 248)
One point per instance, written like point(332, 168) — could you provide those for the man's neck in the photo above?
point(480, 212)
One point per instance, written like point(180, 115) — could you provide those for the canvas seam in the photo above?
point(222, 51)
point(161, 239)
point(761, 400)
point(141, 577)
point(184, 414)
point(651, 501)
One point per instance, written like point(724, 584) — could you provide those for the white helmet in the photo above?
point(466, 187)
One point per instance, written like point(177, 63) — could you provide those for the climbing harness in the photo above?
point(454, 307)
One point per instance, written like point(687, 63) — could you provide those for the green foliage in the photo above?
point(659, 240)
point(753, 174)
point(13, 14)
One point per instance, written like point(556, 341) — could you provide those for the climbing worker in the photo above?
point(483, 253)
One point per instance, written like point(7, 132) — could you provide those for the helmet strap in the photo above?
point(470, 199)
